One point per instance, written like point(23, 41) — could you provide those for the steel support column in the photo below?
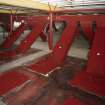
point(93, 78)
point(56, 58)
point(13, 37)
point(27, 42)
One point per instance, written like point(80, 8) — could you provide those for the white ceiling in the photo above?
point(75, 4)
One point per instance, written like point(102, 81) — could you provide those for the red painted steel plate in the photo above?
point(10, 80)
point(73, 101)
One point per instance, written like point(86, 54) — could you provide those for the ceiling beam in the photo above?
point(28, 4)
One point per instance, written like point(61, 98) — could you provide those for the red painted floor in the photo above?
point(40, 90)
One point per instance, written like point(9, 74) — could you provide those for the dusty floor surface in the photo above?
point(51, 90)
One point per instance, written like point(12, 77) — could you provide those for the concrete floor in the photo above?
point(78, 49)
